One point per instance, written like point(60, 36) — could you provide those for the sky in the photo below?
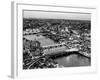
point(56, 15)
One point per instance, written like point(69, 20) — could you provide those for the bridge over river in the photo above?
point(51, 48)
point(61, 49)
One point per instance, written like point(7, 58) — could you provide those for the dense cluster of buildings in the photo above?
point(61, 33)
